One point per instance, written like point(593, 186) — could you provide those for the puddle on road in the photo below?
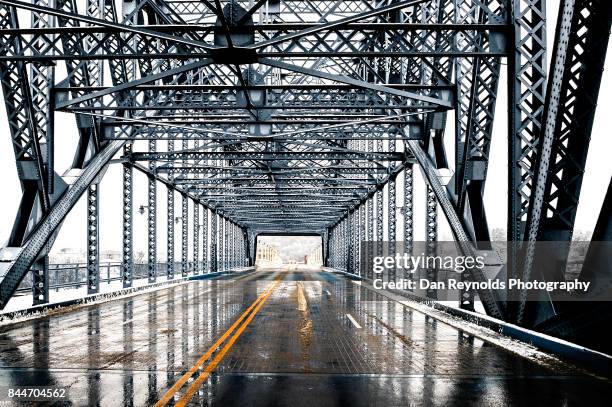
point(305, 331)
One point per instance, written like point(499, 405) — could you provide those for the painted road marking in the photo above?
point(350, 317)
point(301, 298)
point(165, 399)
point(209, 369)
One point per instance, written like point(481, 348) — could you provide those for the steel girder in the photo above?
point(527, 91)
point(93, 238)
point(295, 130)
point(196, 239)
point(127, 258)
point(33, 245)
point(581, 40)
point(152, 220)
point(408, 210)
point(214, 242)
point(184, 236)
point(28, 107)
point(205, 240)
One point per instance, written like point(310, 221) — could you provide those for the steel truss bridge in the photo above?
point(301, 117)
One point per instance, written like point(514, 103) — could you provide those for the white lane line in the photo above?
point(350, 317)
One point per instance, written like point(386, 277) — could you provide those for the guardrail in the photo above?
point(74, 275)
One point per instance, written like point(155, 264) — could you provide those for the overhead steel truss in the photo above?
point(300, 116)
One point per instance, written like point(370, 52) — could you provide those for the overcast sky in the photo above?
point(597, 177)
point(292, 247)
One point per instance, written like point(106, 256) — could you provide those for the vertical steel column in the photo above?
point(230, 245)
point(526, 94)
point(93, 239)
point(342, 245)
point(369, 235)
point(408, 211)
point(349, 241)
point(336, 247)
point(252, 239)
point(40, 281)
point(233, 243)
point(431, 234)
point(392, 215)
point(332, 248)
point(230, 228)
point(42, 77)
point(196, 238)
point(205, 241)
point(247, 248)
point(152, 220)
point(239, 251)
point(392, 223)
point(170, 221)
point(362, 237)
point(95, 70)
point(379, 211)
point(127, 263)
point(349, 238)
point(243, 247)
point(355, 237)
point(184, 235)
point(222, 243)
point(185, 222)
point(213, 240)
point(226, 243)
point(236, 246)
point(339, 246)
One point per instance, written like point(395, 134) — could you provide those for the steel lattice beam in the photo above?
point(299, 120)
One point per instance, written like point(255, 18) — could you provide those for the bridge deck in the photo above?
point(317, 339)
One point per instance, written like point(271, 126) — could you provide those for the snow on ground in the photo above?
point(112, 288)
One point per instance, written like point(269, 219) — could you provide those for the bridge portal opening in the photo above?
point(293, 251)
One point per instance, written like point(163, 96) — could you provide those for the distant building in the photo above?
point(315, 257)
point(67, 255)
point(267, 255)
point(72, 256)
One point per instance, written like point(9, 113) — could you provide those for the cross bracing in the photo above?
point(298, 116)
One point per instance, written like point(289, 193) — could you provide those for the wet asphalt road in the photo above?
point(318, 340)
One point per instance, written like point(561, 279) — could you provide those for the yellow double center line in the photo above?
point(245, 318)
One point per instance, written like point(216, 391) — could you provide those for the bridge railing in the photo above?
point(74, 275)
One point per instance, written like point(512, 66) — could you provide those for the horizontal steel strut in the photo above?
point(303, 119)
